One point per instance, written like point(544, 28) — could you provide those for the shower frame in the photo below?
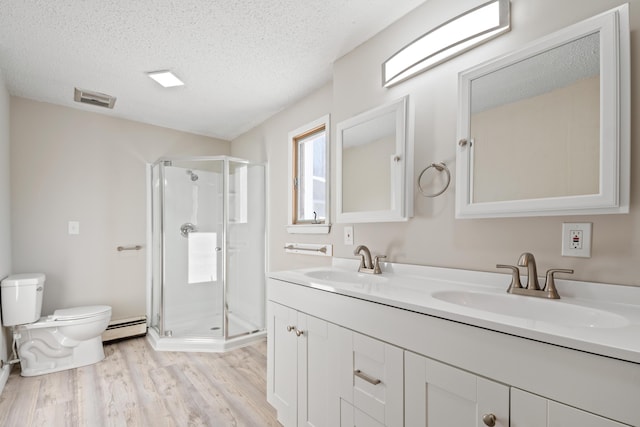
point(159, 336)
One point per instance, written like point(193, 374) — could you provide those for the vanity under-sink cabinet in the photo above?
point(298, 366)
point(440, 395)
point(336, 360)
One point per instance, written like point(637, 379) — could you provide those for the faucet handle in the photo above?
point(550, 285)
point(376, 264)
point(515, 276)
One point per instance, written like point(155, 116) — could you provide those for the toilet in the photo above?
point(69, 338)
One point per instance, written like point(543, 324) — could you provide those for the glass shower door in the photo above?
point(193, 238)
point(245, 263)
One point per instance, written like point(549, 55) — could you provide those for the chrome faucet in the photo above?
point(533, 288)
point(365, 257)
point(366, 265)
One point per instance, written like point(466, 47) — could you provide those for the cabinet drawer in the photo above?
point(373, 378)
point(353, 417)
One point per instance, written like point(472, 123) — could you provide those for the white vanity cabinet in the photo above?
point(438, 395)
point(298, 366)
point(358, 362)
point(529, 410)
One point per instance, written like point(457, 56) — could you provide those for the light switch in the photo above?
point(348, 235)
point(74, 227)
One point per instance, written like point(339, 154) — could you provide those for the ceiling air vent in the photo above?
point(94, 98)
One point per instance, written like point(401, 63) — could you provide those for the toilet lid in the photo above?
point(79, 312)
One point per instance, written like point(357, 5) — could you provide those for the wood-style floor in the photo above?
point(137, 386)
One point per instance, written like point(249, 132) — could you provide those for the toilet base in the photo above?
point(39, 357)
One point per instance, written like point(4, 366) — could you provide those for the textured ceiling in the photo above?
point(242, 61)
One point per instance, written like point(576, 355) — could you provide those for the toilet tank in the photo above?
point(21, 298)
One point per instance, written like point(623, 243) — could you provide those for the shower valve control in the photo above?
point(187, 228)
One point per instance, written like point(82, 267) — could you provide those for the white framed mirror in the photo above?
point(373, 162)
point(546, 130)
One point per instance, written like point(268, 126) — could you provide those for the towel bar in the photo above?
point(318, 249)
point(129, 248)
point(297, 248)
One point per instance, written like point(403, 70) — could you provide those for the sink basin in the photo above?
point(553, 312)
point(345, 277)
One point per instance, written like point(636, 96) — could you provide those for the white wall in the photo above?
point(69, 164)
point(433, 236)
point(5, 203)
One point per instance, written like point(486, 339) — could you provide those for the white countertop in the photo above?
point(609, 315)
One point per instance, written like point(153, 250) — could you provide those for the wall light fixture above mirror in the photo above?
point(450, 39)
point(546, 130)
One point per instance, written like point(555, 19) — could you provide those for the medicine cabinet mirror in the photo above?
point(373, 159)
point(545, 130)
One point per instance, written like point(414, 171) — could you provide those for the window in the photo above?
point(309, 180)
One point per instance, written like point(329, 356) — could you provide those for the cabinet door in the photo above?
point(282, 362)
point(529, 410)
point(313, 371)
point(438, 395)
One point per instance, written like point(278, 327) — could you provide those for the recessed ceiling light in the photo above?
point(165, 78)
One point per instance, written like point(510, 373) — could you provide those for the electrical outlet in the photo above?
point(348, 235)
point(576, 239)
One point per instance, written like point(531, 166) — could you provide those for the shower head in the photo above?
point(192, 175)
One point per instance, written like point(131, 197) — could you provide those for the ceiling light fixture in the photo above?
point(448, 40)
point(165, 78)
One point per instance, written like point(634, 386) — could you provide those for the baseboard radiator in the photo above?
point(125, 328)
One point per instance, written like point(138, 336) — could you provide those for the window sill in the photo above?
point(309, 229)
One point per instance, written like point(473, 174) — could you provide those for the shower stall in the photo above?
point(207, 253)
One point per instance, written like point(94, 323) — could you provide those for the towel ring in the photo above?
point(439, 167)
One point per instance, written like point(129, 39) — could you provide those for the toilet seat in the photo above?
point(75, 313)
point(71, 316)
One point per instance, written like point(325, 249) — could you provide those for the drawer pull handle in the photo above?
point(489, 420)
point(290, 328)
point(299, 332)
point(358, 373)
